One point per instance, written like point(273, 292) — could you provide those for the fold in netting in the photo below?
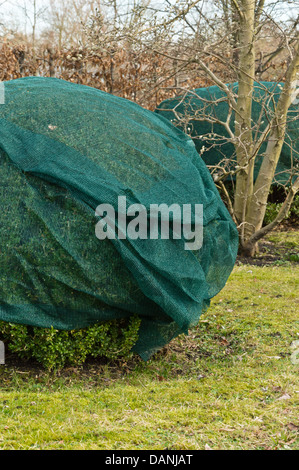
point(66, 149)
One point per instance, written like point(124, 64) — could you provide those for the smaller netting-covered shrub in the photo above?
point(273, 209)
point(200, 111)
point(56, 348)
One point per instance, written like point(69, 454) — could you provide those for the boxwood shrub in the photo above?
point(56, 348)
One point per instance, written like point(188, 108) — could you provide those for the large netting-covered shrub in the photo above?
point(67, 148)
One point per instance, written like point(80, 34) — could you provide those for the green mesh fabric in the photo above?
point(265, 96)
point(67, 148)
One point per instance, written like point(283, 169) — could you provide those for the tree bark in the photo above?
point(243, 133)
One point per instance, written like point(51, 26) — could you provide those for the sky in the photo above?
point(13, 12)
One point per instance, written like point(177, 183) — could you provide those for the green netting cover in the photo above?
point(67, 148)
point(265, 96)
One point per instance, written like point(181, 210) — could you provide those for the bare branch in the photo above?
point(237, 7)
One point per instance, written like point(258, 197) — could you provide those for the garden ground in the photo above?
point(233, 383)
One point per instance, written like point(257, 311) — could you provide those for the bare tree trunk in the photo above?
point(257, 207)
point(111, 88)
point(21, 59)
point(34, 30)
point(249, 248)
point(244, 145)
point(51, 62)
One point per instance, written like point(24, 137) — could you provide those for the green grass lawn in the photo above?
point(233, 383)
